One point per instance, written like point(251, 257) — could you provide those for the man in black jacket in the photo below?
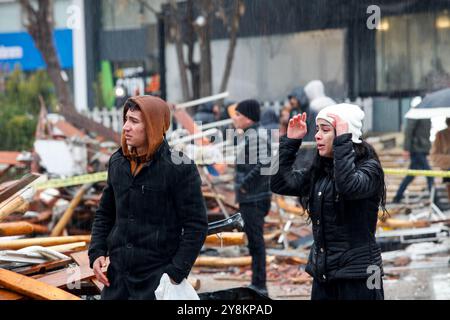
point(152, 217)
point(252, 184)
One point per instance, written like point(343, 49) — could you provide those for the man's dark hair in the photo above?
point(130, 105)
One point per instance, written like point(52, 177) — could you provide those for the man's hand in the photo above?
point(297, 128)
point(98, 266)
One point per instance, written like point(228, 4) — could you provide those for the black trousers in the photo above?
point(253, 214)
point(345, 290)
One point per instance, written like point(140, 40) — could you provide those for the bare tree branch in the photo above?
point(204, 34)
point(237, 13)
point(40, 27)
point(190, 41)
point(174, 25)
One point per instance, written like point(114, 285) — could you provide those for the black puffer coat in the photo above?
point(343, 209)
point(149, 224)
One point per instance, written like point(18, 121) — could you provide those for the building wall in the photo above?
point(11, 15)
point(124, 15)
point(269, 67)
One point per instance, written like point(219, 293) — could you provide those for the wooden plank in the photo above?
point(32, 288)
point(21, 228)
point(12, 206)
point(58, 229)
point(16, 187)
point(9, 295)
point(43, 241)
point(61, 279)
point(82, 258)
point(281, 202)
point(392, 223)
point(43, 267)
point(226, 239)
point(69, 247)
point(219, 262)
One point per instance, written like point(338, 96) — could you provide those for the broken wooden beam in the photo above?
point(282, 204)
point(291, 260)
point(43, 241)
point(43, 267)
point(268, 237)
point(15, 204)
point(69, 247)
point(67, 276)
point(10, 295)
point(21, 228)
point(82, 259)
point(32, 288)
point(219, 262)
point(59, 228)
point(17, 186)
point(226, 239)
point(402, 224)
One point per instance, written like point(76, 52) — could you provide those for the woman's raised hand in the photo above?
point(339, 124)
point(297, 128)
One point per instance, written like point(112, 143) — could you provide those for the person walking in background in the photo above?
point(315, 92)
point(416, 146)
point(297, 103)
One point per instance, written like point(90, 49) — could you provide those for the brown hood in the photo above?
point(157, 120)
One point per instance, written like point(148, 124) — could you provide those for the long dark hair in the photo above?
point(363, 151)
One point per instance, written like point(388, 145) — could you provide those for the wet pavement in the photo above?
point(421, 280)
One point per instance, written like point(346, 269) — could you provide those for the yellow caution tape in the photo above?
point(72, 181)
point(101, 176)
point(416, 173)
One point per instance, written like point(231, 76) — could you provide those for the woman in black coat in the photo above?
point(341, 192)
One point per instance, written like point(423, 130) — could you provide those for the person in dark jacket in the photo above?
point(152, 218)
point(300, 103)
point(252, 185)
point(417, 146)
point(341, 192)
point(207, 113)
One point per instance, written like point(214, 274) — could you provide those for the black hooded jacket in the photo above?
point(300, 95)
point(343, 207)
point(149, 224)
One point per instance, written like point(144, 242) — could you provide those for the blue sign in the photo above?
point(18, 48)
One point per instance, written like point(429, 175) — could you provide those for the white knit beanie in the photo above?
point(350, 113)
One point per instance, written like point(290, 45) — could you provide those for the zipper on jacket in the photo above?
point(336, 199)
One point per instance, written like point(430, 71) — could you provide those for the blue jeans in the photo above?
point(418, 162)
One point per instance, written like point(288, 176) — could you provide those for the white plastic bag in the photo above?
point(169, 291)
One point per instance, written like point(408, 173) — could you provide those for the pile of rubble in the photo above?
point(45, 225)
